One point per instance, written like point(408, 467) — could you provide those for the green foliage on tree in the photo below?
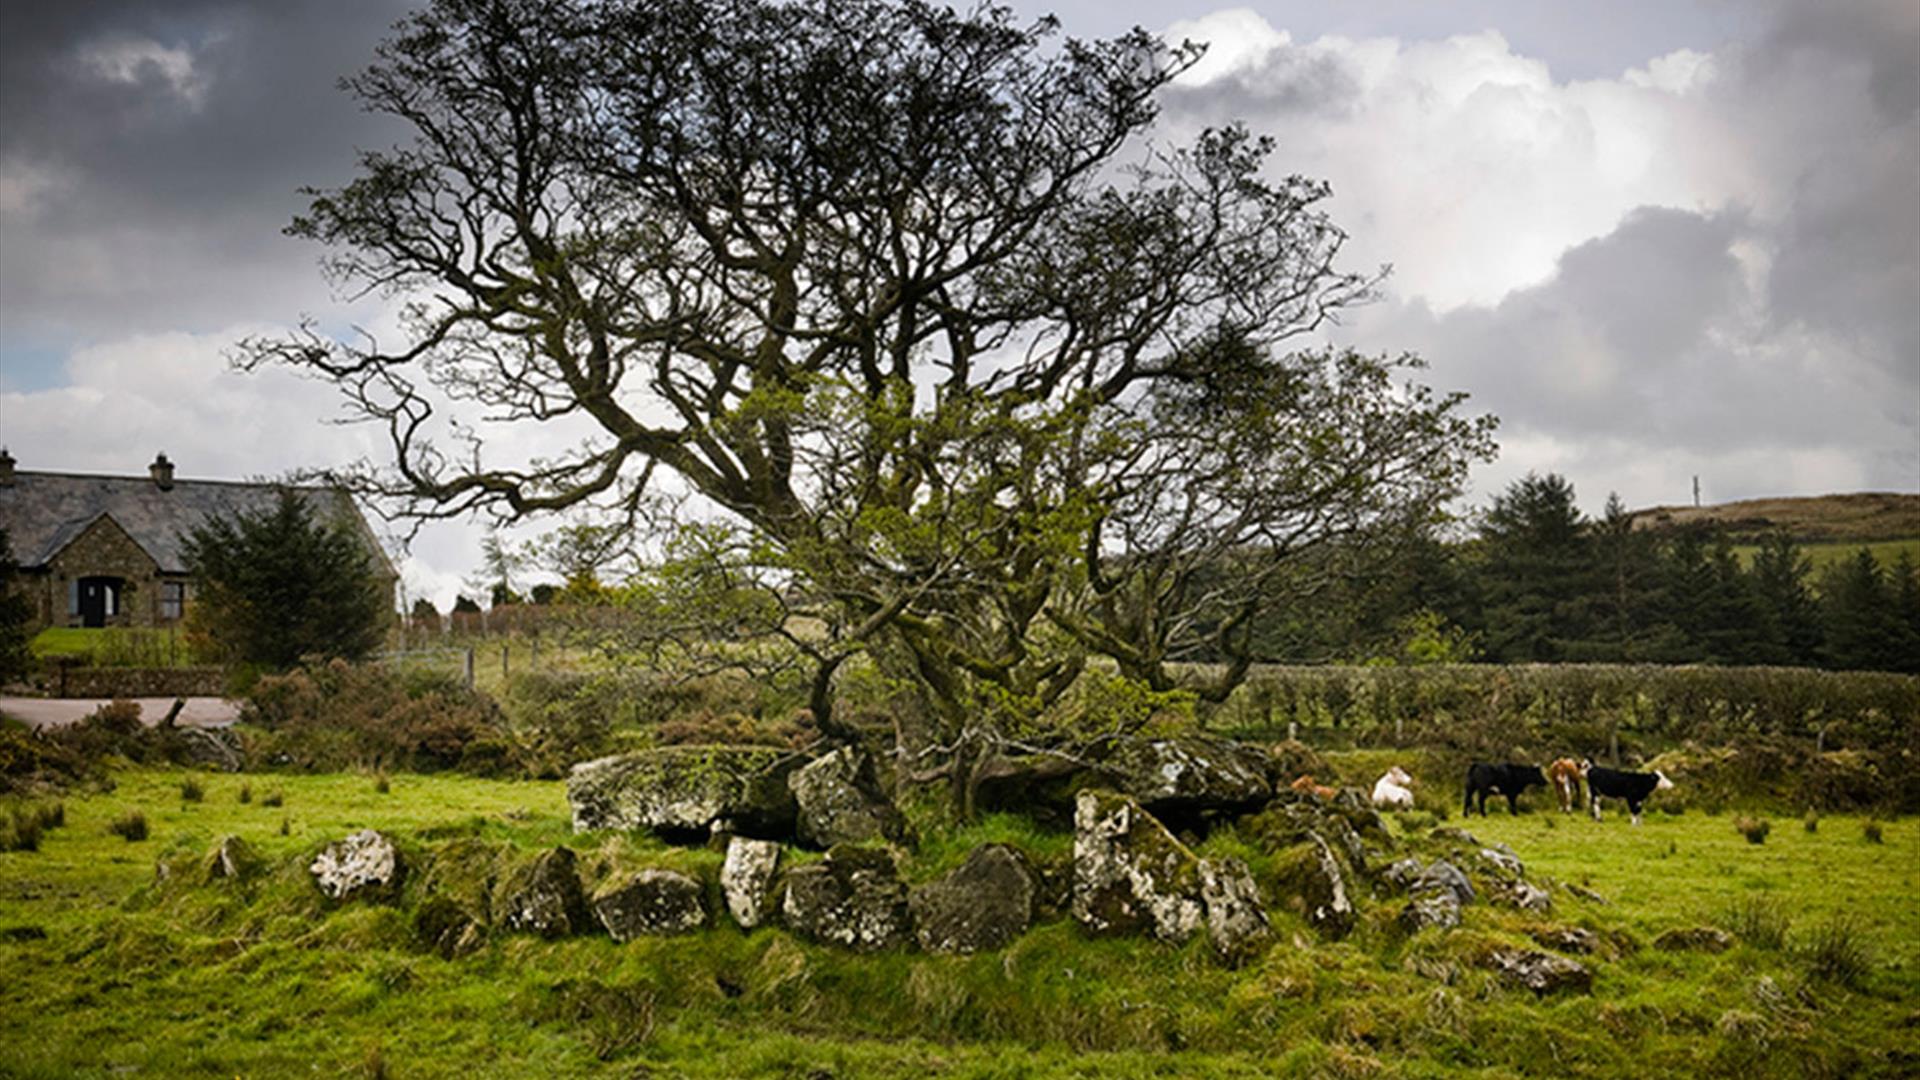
point(16, 616)
point(1863, 627)
point(275, 585)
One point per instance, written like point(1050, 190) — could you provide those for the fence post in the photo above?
point(469, 667)
point(1613, 743)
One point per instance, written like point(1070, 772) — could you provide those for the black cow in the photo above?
point(1511, 780)
point(1620, 784)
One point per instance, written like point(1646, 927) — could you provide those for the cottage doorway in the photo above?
point(99, 600)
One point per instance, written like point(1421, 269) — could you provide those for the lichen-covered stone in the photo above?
point(852, 898)
point(1188, 773)
point(1542, 973)
point(1313, 885)
point(232, 859)
point(365, 865)
point(1525, 895)
point(1443, 876)
point(443, 926)
point(1236, 922)
point(838, 801)
point(1290, 822)
point(1129, 873)
point(686, 792)
point(650, 903)
point(219, 749)
point(1571, 939)
point(543, 896)
point(1440, 910)
point(746, 879)
point(1400, 876)
point(1501, 860)
point(982, 905)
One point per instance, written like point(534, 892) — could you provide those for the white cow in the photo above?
point(1394, 791)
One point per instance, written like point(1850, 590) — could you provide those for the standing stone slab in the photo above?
point(232, 859)
point(838, 801)
point(364, 865)
point(650, 903)
point(543, 896)
point(1129, 873)
point(1443, 876)
point(686, 792)
point(852, 898)
point(1316, 887)
point(984, 904)
point(1236, 923)
point(746, 880)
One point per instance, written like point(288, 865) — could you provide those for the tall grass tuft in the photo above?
point(273, 798)
point(22, 831)
point(1836, 952)
point(286, 825)
point(1811, 821)
point(1760, 921)
point(246, 793)
point(191, 791)
point(1872, 831)
point(132, 825)
point(381, 784)
point(1754, 829)
point(53, 815)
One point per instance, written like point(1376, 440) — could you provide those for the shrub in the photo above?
point(1760, 921)
point(340, 716)
point(1836, 952)
point(273, 798)
point(191, 790)
point(132, 825)
point(1871, 830)
point(1754, 829)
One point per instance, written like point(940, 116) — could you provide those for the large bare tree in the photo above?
point(909, 294)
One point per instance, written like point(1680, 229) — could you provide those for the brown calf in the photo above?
point(1564, 774)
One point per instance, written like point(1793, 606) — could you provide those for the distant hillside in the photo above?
point(1867, 517)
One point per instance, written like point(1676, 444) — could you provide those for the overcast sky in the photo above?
point(1658, 239)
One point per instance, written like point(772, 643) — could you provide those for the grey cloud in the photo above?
point(1290, 80)
point(160, 208)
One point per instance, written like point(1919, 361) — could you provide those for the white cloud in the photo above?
point(139, 61)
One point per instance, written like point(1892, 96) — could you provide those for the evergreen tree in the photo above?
point(1905, 587)
point(1535, 572)
point(16, 617)
point(1623, 609)
point(1863, 630)
point(278, 584)
point(1780, 573)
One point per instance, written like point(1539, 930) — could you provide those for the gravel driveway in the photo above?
point(52, 712)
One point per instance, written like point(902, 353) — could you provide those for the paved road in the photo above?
point(51, 712)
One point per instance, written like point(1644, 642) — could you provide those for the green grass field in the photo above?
point(1822, 556)
point(187, 978)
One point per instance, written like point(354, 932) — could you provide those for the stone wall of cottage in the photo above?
point(105, 550)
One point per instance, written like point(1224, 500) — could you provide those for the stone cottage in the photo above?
point(106, 550)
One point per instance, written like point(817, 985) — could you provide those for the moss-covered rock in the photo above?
point(364, 866)
point(650, 903)
point(853, 898)
point(1312, 884)
point(1542, 973)
point(838, 800)
point(1188, 774)
point(542, 895)
point(687, 792)
point(232, 859)
point(746, 879)
point(1236, 922)
point(1129, 873)
point(983, 904)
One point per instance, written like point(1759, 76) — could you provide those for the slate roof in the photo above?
point(44, 511)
